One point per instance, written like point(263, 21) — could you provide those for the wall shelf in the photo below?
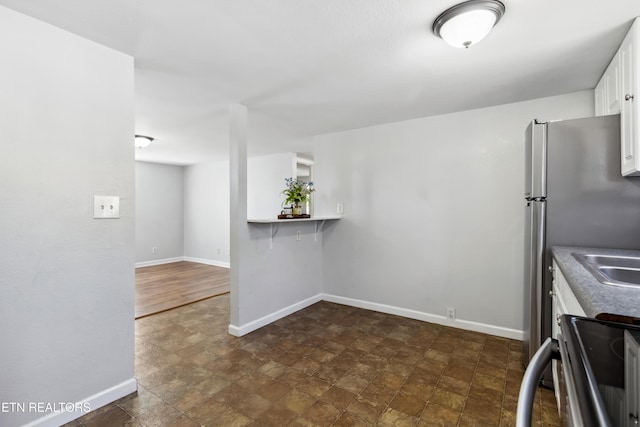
point(274, 223)
point(278, 221)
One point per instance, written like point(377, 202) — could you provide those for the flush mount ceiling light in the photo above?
point(143, 141)
point(467, 23)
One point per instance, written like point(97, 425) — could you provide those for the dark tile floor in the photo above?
point(326, 365)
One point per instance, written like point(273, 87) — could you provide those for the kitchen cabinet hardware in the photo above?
point(628, 97)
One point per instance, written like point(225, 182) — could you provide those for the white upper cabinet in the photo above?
point(600, 97)
point(628, 112)
point(612, 85)
point(615, 93)
point(607, 92)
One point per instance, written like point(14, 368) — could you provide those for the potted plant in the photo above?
point(296, 194)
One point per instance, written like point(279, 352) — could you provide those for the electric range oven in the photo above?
point(596, 373)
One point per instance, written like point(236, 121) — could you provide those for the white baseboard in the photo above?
point(239, 331)
point(183, 258)
point(94, 402)
point(499, 331)
point(208, 262)
point(428, 317)
point(158, 262)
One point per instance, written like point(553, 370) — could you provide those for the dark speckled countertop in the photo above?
point(598, 300)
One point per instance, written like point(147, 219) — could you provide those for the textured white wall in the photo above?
point(206, 212)
point(159, 211)
point(433, 210)
point(206, 202)
point(66, 279)
point(267, 280)
point(265, 182)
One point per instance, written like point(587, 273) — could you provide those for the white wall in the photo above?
point(270, 278)
point(206, 202)
point(265, 182)
point(66, 279)
point(159, 212)
point(433, 212)
point(276, 280)
point(184, 211)
point(206, 213)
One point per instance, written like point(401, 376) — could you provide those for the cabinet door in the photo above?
point(567, 302)
point(556, 310)
point(631, 374)
point(607, 92)
point(564, 302)
point(612, 86)
point(628, 121)
point(600, 98)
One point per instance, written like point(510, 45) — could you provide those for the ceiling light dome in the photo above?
point(467, 23)
point(142, 141)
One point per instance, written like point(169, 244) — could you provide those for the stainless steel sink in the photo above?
point(612, 270)
point(623, 275)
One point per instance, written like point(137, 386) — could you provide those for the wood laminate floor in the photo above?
point(167, 286)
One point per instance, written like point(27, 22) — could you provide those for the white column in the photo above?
point(238, 204)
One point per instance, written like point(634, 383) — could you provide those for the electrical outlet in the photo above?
point(340, 208)
point(451, 313)
point(154, 250)
point(218, 251)
point(298, 235)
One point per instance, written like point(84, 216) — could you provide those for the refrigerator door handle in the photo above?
point(538, 212)
point(536, 163)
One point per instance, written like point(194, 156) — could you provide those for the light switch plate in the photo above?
point(105, 207)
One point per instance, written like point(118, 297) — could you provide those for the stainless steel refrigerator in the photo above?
point(575, 196)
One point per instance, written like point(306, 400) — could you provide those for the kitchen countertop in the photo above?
point(604, 302)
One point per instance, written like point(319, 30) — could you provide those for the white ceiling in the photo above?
point(309, 67)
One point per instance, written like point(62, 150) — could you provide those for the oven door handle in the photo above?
point(547, 351)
